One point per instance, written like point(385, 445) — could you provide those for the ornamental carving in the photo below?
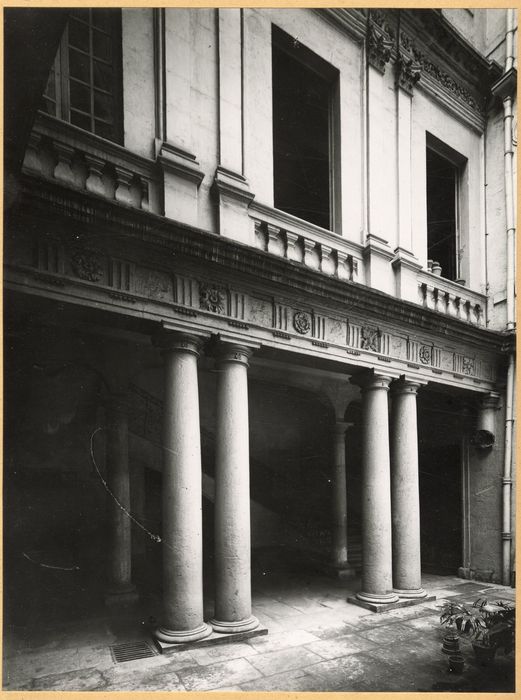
point(448, 82)
point(425, 354)
point(211, 298)
point(469, 365)
point(380, 39)
point(408, 70)
point(86, 265)
point(369, 339)
point(302, 322)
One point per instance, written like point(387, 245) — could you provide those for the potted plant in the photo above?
point(490, 625)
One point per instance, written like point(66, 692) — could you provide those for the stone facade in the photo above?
point(156, 298)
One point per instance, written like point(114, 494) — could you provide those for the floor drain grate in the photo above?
point(131, 651)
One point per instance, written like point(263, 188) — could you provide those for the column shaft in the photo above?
point(405, 492)
point(120, 588)
point(182, 496)
point(376, 495)
point(340, 555)
point(232, 496)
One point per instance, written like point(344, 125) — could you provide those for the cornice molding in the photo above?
point(352, 21)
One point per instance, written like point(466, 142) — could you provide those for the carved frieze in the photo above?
point(370, 338)
point(153, 283)
point(87, 265)
point(212, 298)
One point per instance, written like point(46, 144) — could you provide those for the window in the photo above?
point(443, 179)
point(305, 118)
point(84, 85)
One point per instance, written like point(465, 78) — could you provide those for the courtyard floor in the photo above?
point(316, 642)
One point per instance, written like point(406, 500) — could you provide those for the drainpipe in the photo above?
point(505, 88)
point(507, 473)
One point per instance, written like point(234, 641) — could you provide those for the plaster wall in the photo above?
point(138, 81)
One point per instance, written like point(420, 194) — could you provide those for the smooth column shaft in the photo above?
point(118, 479)
point(232, 496)
point(376, 499)
point(339, 497)
point(182, 498)
point(405, 492)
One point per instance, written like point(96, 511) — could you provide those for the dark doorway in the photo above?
point(441, 508)
point(442, 182)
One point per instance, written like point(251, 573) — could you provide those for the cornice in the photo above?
point(351, 21)
point(72, 215)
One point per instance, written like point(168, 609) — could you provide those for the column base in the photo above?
point(125, 595)
point(344, 570)
point(179, 636)
point(410, 593)
point(225, 627)
point(377, 597)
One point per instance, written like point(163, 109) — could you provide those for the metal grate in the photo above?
point(131, 651)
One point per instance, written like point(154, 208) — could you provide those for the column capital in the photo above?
point(178, 341)
point(490, 400)
point(232, 352)
point(406, 386)
point(340, 427)
point(371, 381)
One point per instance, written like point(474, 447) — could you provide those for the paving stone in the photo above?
point(226, 673)
point(284, 640)
point(391, 634)
point(227, 689)
point(139, 680)
point(86, 679)
point(285, 660)
point(286, 682)
point(277, 609)
point(347, 672)
point(211, 655)
point(340, 646)
point(330, 630)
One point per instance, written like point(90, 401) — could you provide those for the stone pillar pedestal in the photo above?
point(232, 494)
point(377, 584)
point(120, 587)
point(405, 492)
point(182, 494)
point(339, 554)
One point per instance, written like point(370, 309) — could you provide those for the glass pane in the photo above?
point(50, 88)
point(105, 130)
point(101, 46)
point(103, 76)
point(81, 120)
point(78, 35)
point(48, 106)
point(102, 19)
point(103, 106)
point(82, 15)
point(80, 96)
point(79, 65)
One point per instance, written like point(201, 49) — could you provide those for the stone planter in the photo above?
point(484, 654)
point(450, 644)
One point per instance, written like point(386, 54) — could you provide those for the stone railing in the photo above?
point(64, 153)
point(451, 298)
point(294, 239)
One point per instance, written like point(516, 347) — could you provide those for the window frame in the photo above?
point(283, 41)
point(62, 75)
point(459, 162)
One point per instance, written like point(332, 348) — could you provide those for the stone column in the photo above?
point(232, 494)
point(405, 491)
point(377, 582)
point(120, 589)
point(182, 494)
point(339, 549)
